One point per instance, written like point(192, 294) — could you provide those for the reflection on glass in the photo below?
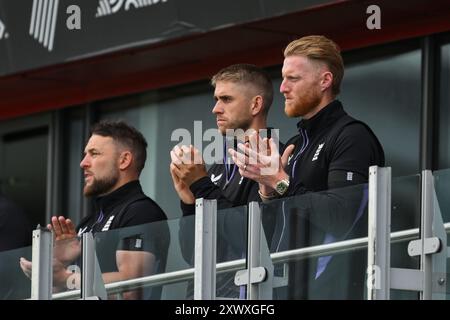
point(442, 187)
point(441, 267)
point(66, 265)
point(72, 152)
point(392, 108)
point(14, 283)
point(133, 252)
point(315, 219)
point(324, 218)
point(444, 109)
point(405, 214)
point(186, 241)
point(231, 245)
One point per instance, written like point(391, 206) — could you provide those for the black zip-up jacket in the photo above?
point(332, 151)
point(127, 206)
point(236, 192)
point(328, 147)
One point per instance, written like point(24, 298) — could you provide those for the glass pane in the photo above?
point(442, 187)
point(405, 215)
point(23, 171)
point(185, 243)
point(72, 151)
point(397, 77)
point(14, 284)
point(67, 269)
point(136, 251)
point(231, 246)
point(181, 257)
point(441, 268)
point(329, 217)
point(315, 219)
point(443, 141)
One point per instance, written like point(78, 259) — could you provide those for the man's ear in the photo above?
point(326, 81)
point(257, 105)
point(125, 160)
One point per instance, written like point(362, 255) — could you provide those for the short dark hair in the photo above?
point(248, 74)
point(127, 136)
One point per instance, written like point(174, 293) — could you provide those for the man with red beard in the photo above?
point(114, 158)
point(332, 150)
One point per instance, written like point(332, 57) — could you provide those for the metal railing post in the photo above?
point(88, 265)
point(259, 273)
point(205, 249)
point(253, 259)
point(426, 232)
point(378, 251)
point(92, 285)
point(42, 266)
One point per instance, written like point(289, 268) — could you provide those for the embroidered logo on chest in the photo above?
point(319, 148)
point(215, 179)
point(81, 231)
point(289, 159)
point(108, 224)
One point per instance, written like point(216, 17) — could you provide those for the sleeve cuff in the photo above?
point(187, 209)
point(199, 185)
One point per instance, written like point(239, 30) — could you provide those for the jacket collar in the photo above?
point(323, 119)
point(107, 202)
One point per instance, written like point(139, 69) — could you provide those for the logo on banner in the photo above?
point(43, 22)
point(3, 33)
point(109, 7)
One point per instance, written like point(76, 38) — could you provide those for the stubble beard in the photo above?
point(243, 124)
point(101, 186)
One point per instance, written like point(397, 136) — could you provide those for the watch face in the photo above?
point(281, 187)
